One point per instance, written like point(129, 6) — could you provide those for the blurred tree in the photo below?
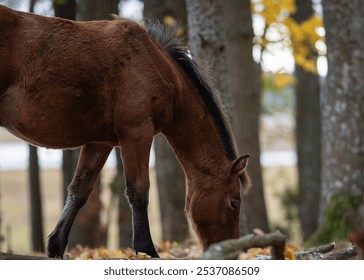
point(207, 42)
point(308, 124)
point(171, 12)
point(342, 196)
point(65, 9)
point(35, 202)
point(69, 163)
point(244, 79)
point(118, 187)
point(36, 211)
point(170, 177)
point(97, 9)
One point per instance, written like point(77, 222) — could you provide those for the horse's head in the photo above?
point(214, 205)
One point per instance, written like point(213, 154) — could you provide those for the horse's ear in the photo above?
point(239, 165)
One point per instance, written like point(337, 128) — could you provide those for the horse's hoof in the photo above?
point(55, 248)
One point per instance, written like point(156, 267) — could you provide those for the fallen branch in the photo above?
point(230, 249)
point(344, 254)
point(325, 253)
point(315, 253)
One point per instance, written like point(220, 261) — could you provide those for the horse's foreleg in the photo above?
point(135, 155)
point(92, 159)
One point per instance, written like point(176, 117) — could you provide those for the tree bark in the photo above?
point(308, 135)
point(207, 42)
point(36, 212)
point(244, 80)
point(342, 119)
point(170, 177)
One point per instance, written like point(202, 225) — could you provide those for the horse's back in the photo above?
point(75, 82)
point(53, 80)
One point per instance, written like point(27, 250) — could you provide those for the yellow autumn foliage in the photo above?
point(280, 80)
point(283, 79)
point(301, 37)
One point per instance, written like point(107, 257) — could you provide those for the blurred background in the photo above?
point(267, 58)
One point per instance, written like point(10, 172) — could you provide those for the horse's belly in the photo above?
point(51, 122)
point(52, 134)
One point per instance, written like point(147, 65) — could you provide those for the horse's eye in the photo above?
point(234, 203)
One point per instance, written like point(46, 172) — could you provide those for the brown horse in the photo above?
point(101, 84)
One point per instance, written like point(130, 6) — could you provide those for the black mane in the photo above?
point(179, 52)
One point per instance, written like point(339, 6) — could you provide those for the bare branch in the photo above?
point(230, 249)
point(314, 253)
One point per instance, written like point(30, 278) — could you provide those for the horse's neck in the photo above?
point(194, 137)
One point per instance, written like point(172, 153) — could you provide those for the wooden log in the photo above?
point(326, 252)
point(347, 253)
point(230, 249)
point(315, 253)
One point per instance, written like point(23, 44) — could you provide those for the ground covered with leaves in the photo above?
point(174, 250)
point(250, 247)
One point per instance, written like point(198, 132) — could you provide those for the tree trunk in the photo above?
point(308, 135)
point(118, 187)
point(158, 10)
point(65, 9)
point(69, 163)
point(35, 202)
point(342, 193)
point(207, 42)
point(170, 177)
point(97, 9)
point(244, 81)
point(172, 192)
